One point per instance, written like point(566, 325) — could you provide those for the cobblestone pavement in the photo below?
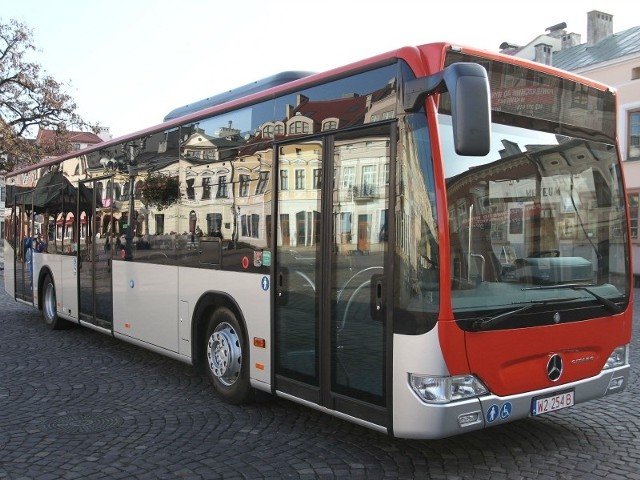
point(76, 404)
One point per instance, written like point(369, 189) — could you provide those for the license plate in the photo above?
point(551, 403)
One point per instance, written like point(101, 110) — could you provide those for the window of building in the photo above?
point(109, 190)
point(329, 125)
point(635, 73)
point(369, 179)
point(634, 134)
point(348, 177)
point(317, 173)
point(100, 195)
point(299, 179)
point(222, 187)
point(263, 179)
point(122, 193)
point(284, 179)
point(498, 227)
point(279, 129)
point(580, 97)
point(250, 225)
point(214, 224)
point(191, 191)
point(244, 226)
point(206, 188)
point(299, 126)
point(117, 191)
point(244, 185)
point(267, 131)
point(345, 226)
point(160, 223)
point(255, 225)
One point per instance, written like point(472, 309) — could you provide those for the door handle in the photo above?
point(377, 296)
point(282, 290)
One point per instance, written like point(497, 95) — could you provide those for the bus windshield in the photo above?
point(538, 223)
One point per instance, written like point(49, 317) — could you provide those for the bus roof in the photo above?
point(239, 92)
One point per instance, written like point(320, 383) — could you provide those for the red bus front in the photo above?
point(535, 286)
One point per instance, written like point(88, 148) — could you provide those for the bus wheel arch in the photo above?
point(221, 347)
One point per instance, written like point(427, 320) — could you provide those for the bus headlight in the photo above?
point(433, 389)
point(618, 358)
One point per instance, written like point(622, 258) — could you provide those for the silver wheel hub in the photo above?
point(49, 302)
point(224, 354)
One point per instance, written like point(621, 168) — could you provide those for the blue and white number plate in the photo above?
point(551, 403)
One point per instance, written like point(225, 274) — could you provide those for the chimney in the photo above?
point(543, 53)
point(570, 40)
point(104, 133)
point(599, 26)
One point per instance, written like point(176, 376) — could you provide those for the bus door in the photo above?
point(23, 224)
point(330, 322)
point(95, 254)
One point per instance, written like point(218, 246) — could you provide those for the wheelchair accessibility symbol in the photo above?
point(503, 412)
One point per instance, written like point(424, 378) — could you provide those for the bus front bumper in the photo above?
point(413, 418)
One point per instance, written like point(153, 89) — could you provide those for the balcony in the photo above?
point(363, 192)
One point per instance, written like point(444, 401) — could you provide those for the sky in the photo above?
point(127, 63)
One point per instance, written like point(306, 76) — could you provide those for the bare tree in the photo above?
point(30, 99)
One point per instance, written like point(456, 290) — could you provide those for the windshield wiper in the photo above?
point(486, 322)
point(605, 302)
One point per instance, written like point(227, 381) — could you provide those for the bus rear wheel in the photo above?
point(49, 305)
point(227, 357)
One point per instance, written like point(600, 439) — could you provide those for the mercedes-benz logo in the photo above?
point(554, 367)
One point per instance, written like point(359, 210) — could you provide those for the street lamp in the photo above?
point(235, 211)
point(132, 150)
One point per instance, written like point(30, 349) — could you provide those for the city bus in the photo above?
point(428, 242)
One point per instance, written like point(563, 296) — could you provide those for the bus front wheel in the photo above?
point(227, 357)
point(49, 307)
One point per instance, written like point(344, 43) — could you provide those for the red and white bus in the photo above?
point(428, 242)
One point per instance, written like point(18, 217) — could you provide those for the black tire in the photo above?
point(49, 305)
point(227, 357)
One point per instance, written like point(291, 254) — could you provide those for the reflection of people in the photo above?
point(119, 248)
point(383, 236)
point(26, 245)
point(28, 257)
point(41, 246)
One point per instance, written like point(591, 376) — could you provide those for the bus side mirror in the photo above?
point(468, 87)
